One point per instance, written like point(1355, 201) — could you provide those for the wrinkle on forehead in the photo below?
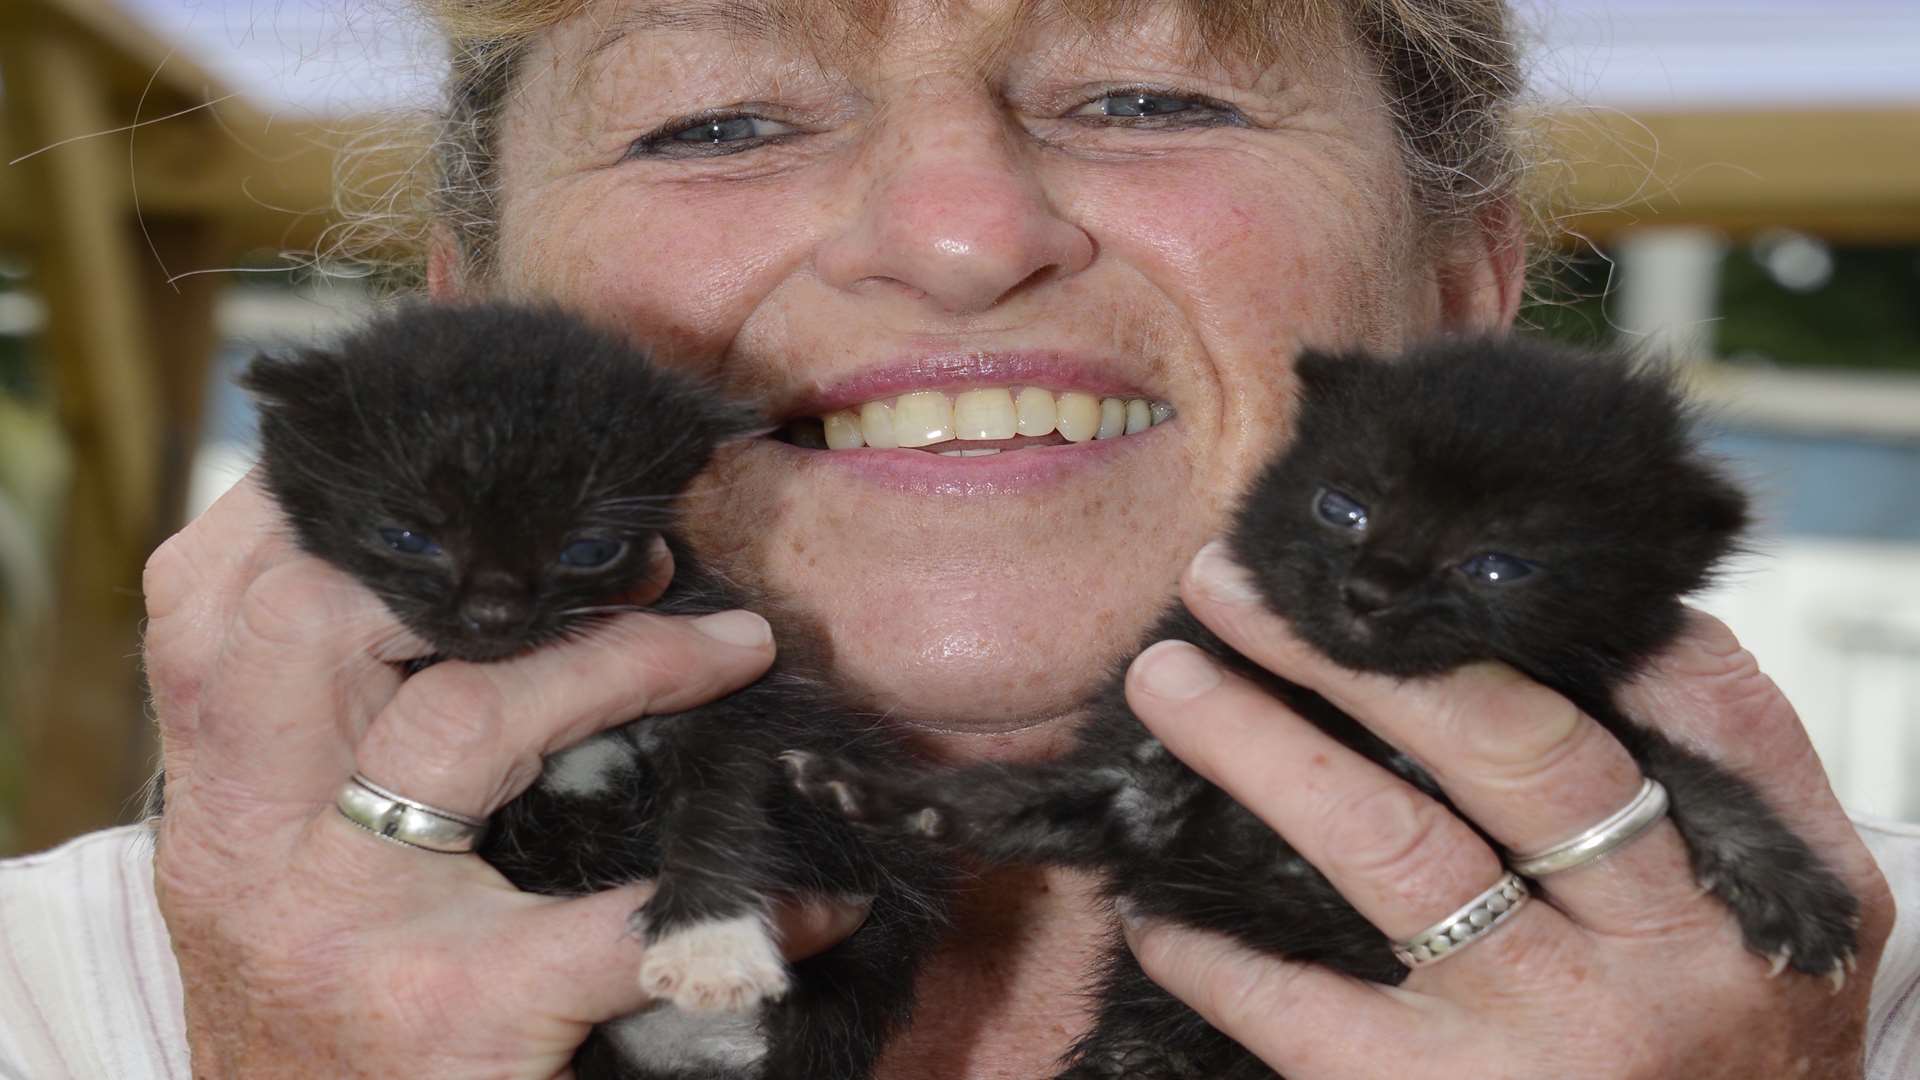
point(1256, 31)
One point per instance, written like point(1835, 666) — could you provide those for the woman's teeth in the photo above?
point(930, 417)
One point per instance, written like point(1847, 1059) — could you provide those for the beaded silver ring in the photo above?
point(1475, 919)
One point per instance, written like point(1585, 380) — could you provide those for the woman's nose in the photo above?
point(952, 217)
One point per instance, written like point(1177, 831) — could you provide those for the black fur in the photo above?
point(1578, 467)
point(500, 437)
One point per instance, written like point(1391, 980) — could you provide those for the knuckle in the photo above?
point(292, 605)
point(1241, 995)
point(447, 713)
point(1509, 724)
point(1385, 831)
point(169, 574)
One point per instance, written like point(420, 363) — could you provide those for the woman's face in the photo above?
point(1118, 217)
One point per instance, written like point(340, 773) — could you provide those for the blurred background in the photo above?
point(1735, 183)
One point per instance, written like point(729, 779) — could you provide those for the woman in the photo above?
point(830, 205)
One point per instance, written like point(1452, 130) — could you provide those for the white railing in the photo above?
point(1837, 625)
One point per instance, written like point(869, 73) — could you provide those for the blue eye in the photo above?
point(1340, 511)
point(1138, 104)
point(1169, 108)
point(708, 135)
point(1493, 568)
point(408, 542)
point(591, 552)
point(720, 130)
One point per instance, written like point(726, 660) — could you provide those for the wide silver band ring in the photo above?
point(392, 816)
point(1647, 807)
point(1475, 919)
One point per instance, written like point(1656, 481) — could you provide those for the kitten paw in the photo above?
point(862, 798)
point(729, 965)
point(1804, 924)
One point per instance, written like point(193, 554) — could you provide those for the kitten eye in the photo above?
point(591, 552)
point(408, 542)
point(1340, 511)
point(1493, 568)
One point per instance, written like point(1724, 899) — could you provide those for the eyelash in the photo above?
point(662, 141)
point(1212, 112)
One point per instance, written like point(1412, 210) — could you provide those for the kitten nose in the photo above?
point(1369, 590)
point(495, 613)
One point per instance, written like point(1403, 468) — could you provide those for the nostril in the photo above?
point(492, 613)
point(1367, 595)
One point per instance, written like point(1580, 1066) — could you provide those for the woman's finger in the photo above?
point(192, 585)
point(297, 676)
point(469, 737)
point(1399, 857)
point(1517, 759)
point(1267, 1005)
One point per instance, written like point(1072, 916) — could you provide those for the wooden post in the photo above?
point(82, 739)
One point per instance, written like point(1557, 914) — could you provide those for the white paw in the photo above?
point(727, 964)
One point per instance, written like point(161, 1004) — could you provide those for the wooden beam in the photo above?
point(1849, 174)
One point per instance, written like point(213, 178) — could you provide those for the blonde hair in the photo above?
point(1449, 70)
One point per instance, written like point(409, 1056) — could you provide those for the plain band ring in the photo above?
point(392, 816)
point(1475, 919)
point(1647, 807)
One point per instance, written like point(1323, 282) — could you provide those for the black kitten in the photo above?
point(1471, 500)
point(497, 475)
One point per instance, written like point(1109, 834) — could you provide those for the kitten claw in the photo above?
point(843, 799)
point(1780, 961)
point(929, 823)
point(1838, 976)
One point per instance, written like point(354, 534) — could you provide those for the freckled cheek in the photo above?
point(689, 269)
point(1249, 266)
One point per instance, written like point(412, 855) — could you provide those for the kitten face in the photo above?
point(437, 456)
point(515, 570)
point(1441, 530)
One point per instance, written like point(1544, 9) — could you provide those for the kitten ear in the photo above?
point(1318, 372)
point(282, 381)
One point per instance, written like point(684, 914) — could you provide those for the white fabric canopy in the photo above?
point(339, 56)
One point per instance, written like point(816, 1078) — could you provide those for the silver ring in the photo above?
point(1647, 807)
point(392, 816)
point(1475, 919)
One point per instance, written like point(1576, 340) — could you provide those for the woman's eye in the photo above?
point(1339, 510)
point(1151, 105)
point(709, 135)
point(591, 552)
point(408, 542)
point(1493, 568)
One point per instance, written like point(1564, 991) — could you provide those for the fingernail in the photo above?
point(1130, 915)
point(1220, 577)
point(742, 628)
point(1176, 671)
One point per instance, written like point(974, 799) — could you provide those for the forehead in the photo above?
point(1247, 31)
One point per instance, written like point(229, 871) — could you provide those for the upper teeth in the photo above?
point(927, 417)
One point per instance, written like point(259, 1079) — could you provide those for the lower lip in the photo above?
point(1010, 472)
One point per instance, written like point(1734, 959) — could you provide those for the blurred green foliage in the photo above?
point(1865, 313)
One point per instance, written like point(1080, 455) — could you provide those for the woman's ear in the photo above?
point(1482, 277)
point(444, 278)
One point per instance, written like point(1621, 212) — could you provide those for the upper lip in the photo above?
point(1056, 370)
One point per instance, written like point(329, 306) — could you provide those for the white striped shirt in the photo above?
point(89, 989)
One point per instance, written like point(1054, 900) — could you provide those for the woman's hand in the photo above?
point(310, 947)
point(1624, 968)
